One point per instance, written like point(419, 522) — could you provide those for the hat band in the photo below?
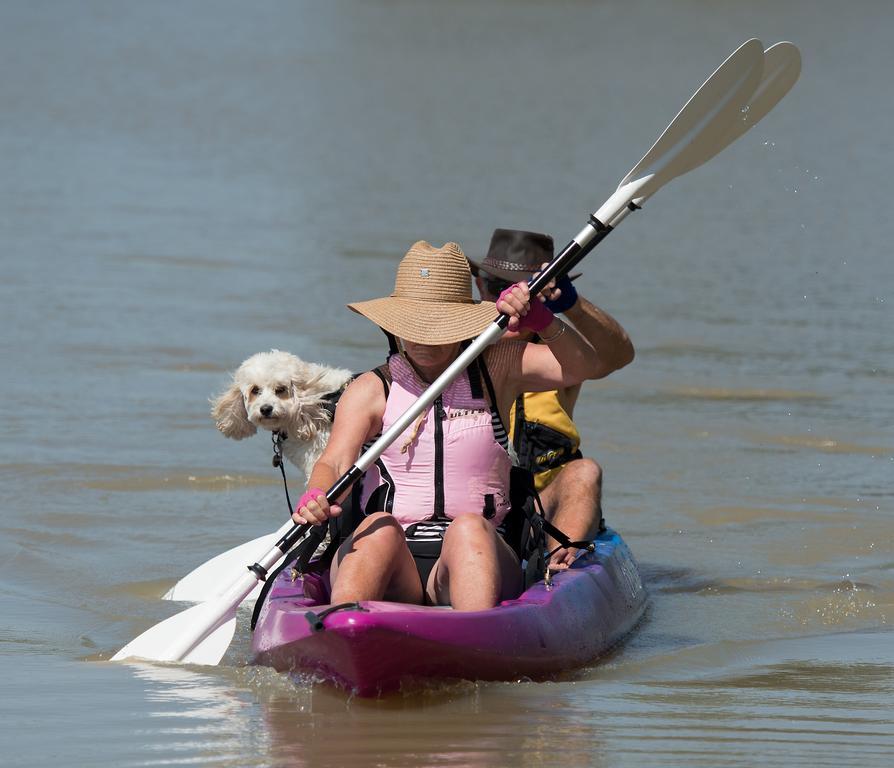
point(511, 266)
point(429, 296)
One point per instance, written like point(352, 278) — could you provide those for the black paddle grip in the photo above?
point(570, 256)
point(341, 486)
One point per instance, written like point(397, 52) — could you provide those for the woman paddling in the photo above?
point(441, 490)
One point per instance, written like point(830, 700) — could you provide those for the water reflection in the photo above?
point(465, 724)
point(711, 705)
point(195, 717)
point(787, 701)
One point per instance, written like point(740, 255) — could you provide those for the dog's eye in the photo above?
point(281, 391)
point(256, 390)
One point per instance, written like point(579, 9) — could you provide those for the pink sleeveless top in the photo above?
point(445, 464)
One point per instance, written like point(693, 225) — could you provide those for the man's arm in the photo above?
point(605, 334)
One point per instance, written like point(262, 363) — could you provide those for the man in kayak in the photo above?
point(542, 431)
point(441, 490)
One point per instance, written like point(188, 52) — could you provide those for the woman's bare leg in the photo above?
point(375, 564)
point(477, 569)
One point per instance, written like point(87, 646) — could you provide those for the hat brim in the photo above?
point(428, 322)
point(511, 275)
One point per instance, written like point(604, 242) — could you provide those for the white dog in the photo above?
point(281, 393)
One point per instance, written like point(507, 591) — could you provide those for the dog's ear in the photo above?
point(228, 410)
point(301, 379)
point(311, 380)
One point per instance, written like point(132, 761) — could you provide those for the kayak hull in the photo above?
point(373, 647)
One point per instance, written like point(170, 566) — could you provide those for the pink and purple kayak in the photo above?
point(371, 648)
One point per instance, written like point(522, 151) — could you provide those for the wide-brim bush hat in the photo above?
point(432, 300)
point(515, 254)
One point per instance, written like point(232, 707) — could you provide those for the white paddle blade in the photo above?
point(709, 113)
point(164, 641)
point(201, 634)
point(213, 577)
point(782, 68)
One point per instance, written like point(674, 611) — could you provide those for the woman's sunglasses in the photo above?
point(495, 286)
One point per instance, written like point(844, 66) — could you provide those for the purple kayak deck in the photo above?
point(370, 649)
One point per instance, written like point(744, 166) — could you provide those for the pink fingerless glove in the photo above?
point(538, 317)
point(311, 494)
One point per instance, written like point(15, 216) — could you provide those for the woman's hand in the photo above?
point(523, 313)
point(313, 508)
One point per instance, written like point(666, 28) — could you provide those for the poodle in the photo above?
point(282, 393)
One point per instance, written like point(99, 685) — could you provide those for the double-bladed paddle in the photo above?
point(782, 66)
point(705, 125)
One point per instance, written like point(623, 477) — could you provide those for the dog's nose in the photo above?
point(266, 410)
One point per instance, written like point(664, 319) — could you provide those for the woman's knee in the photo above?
point(379, 538)
point(468, 528)
point(471, 524)
point(380, 518)
point(380, 528)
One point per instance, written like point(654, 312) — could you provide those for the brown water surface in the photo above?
point(185, 184)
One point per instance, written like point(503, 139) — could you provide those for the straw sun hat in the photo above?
point(432, 299)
